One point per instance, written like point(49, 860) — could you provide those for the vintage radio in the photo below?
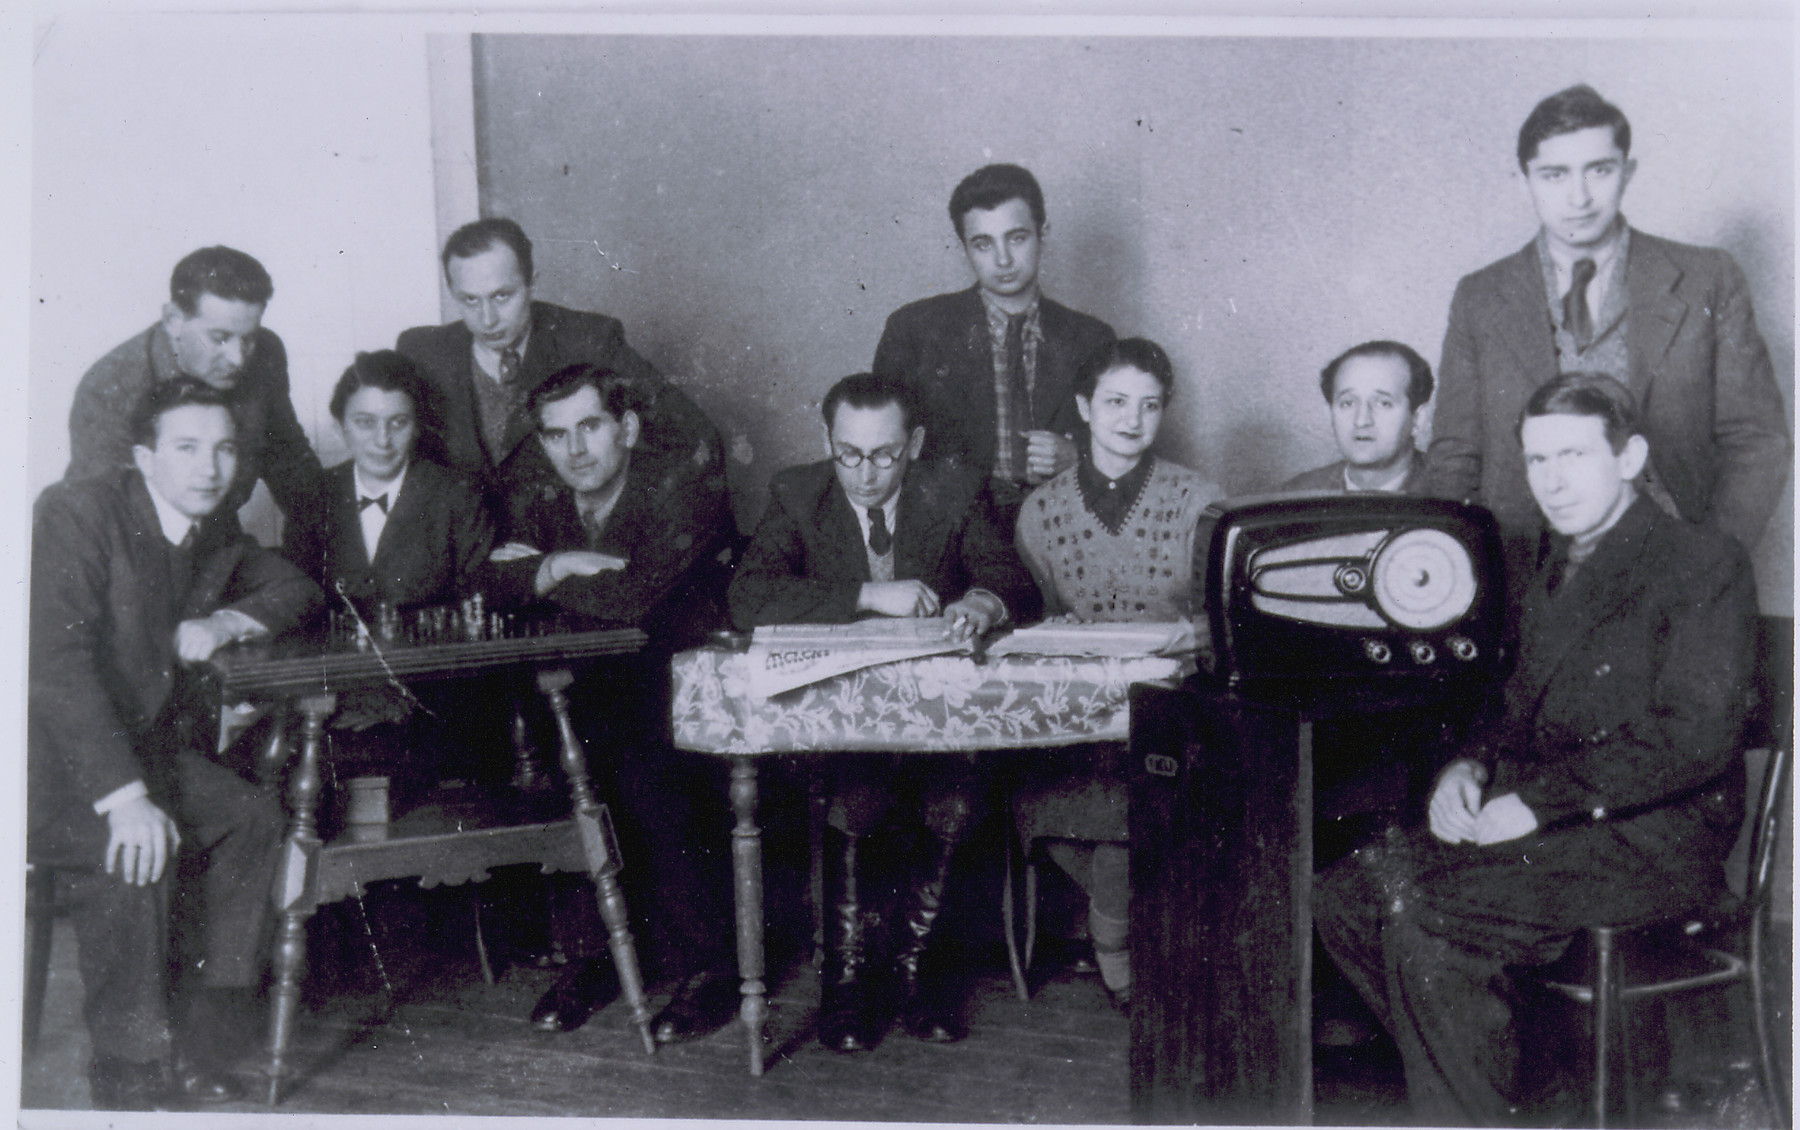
point(1354, 589)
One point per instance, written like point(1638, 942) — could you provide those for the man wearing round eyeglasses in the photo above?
point(871, 531)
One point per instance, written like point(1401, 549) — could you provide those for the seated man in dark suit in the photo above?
point(134, 576)
point(483, 367)
point(1609, 791)
point(1374, 392)
point(211, 330)
point(870, 532)
point(994, 365)
point(618, 540)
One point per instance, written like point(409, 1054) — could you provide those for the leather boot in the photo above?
point(850, 1018)
point(925, 1009)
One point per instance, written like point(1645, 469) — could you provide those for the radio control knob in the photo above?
point(1422, 652)
point(1463, 648)
point(1377, 651)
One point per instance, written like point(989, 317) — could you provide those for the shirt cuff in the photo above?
point(989, 603)
point(122, 795)
point(237, 625)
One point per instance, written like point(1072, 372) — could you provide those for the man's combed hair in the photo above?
point(868, 390)
point(1138, 353)
point(617, 394)
point(496, 231)
point(1419, 382)
point(223, 271)
point(1587, 394)
point(1568, 111)
point(993, 185)
point(164, 397)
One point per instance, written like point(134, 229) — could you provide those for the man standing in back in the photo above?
point(994, 365)
point(485, 365)
point(1591, 293)
point(211, 330)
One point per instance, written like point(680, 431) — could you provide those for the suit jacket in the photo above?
point(271, 444)
point(940, 345)
point(807, 561)
point(674, 427)
point(1331, 477)
point(1714, 417)
point(1623, 716)
point(674, 531)
point(103, 615)
point(433, 549)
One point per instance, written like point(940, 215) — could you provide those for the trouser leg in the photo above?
point(122, 934)
point(240, 828)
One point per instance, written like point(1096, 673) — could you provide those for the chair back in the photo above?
point(1771, 727)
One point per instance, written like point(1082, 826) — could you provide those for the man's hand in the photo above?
point(559, 567)
point(1456, 802)
point(141, 841)
point(1504, 818)
point(1048, 454)
point(513, 551)
point(196, 640)
point(967, 619)
point(898, 598)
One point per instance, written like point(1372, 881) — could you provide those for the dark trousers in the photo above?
point(231, 835)
point(1427, 931)
point(945, 790)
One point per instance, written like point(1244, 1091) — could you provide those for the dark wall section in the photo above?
point(754, 207)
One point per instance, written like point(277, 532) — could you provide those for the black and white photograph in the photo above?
point(1002, 564)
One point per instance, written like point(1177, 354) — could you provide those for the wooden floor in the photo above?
point(438, 1040)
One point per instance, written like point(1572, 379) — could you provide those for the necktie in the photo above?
point(363, 502)
point(880, 539)
point(509, 366)
point(181, 565)
point(1019, 415)
point(1576, 318)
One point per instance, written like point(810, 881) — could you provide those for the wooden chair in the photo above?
point(1697, 953)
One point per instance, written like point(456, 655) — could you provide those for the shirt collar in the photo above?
point(998, 317)
point(365, 489)
point(175, 525)
point(1393, 483)
point(1562, 259)
point(487, 358)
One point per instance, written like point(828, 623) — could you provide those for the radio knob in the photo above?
point(1422, 652)
point(1463, 648)
point(1352, 580)
point(1377, 651)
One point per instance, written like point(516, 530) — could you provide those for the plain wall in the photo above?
point(754, 207)
point(305, 143)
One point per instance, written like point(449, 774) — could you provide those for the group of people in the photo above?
point(994, 467)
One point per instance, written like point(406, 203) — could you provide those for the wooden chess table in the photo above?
point(432, 844)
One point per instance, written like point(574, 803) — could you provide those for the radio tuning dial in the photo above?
point(1423, 580)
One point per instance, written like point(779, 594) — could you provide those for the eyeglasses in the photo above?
point(850, 459)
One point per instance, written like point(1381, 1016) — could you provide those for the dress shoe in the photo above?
point(925, 1013)
point(586, 986)
point(123, 1084)
point(925, 1009)
point(201, 1083)
point(851, 1018)
point(705, 1003)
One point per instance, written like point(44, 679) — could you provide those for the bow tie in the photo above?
point(364, 502)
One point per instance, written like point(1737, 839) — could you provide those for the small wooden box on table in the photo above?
point(431, 845)
point(936, 704)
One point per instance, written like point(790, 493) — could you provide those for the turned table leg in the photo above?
point(746, 869)
point(296, 889)
point(601, 848)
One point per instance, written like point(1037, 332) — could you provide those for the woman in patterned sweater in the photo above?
point(1112, 538)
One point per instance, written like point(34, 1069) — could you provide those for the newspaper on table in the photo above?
point(785, 656)
point(1098, 640)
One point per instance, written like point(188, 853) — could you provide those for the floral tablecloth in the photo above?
point(936, 703)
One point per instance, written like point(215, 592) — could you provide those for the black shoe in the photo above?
point(705, 1003)
point(586, 986)
point(851, 1017)
point(123, 1084)
point(198, 1082)
point(926, 1013)
point(925, 1008)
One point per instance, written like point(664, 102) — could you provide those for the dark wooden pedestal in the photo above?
point(1221, 915)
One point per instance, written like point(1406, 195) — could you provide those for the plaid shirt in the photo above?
point(1011, 421)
